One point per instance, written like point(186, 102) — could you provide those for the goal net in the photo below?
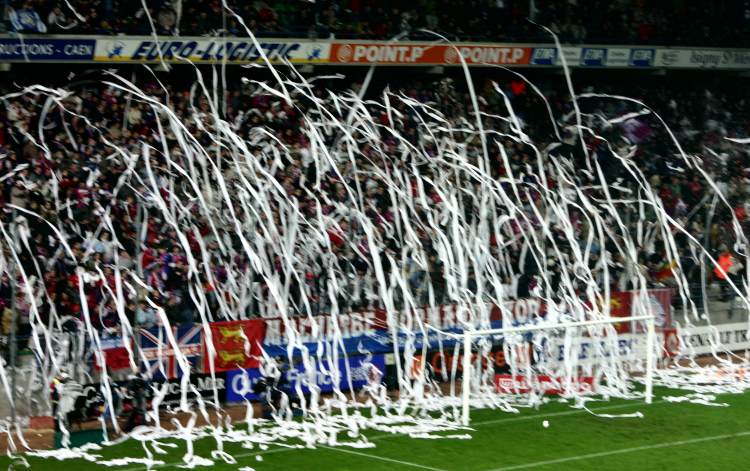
point(571, 359)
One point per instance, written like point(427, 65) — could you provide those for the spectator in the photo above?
point(25, 19)
point(145, 316)
point(58, 21)
point(720, 23)
point(105, 202)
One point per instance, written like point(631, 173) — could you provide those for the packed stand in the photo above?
point(75, 186)
point(673, 22)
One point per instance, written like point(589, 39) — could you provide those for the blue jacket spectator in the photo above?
point(26, 20)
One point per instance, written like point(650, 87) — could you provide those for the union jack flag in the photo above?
point(158, 357)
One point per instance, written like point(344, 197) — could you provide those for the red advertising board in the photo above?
point(426, 53)
point(236, 344)
point(507, 384)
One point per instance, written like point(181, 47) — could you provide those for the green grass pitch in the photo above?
point(669, 436)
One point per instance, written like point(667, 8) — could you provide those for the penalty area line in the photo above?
point(624, 451)
point(381, 458)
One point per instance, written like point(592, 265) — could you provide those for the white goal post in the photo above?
point(469, 334)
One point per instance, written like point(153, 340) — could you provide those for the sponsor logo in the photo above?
point(19, 49)
point(594, 57)
point(642, 57)
point(46, 49)
point(387, 53)
point(241, 51)
point(704, 58)
point(544, 56)
point(242, 385)
point(115, 49)
point(354, 371)
point(617, 57)
point(315, 54)
point(344, 53)
point(670, 57)
point(452, 56)
point(736, 58)
point(489, 55)
point(429, 54)
point(708, 59)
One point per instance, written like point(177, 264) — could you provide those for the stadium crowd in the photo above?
point(673, 22)
point(73, 182)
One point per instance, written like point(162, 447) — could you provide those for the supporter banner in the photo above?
point(508, 384)
point(368, 330)
point(159, 356)
point(444, 364)
point(427, 53)
point(548, 355)
point(204, 384)
point(211, 50)
point(20, 49)
point(236, 344)
point(93, 397)
point(356, 371)
point(117, 358)
point(585, 351)
point(115, 352)
point(711, 339)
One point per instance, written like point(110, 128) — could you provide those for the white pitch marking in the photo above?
point(395, 435)
point(381, 458)
point(623, 451)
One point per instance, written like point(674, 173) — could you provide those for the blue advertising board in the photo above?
point(642, 57)
point(40, 49)
point(594, 56)
point(544, 56)
point(241, 383)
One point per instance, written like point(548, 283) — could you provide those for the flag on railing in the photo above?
point(159, 357)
